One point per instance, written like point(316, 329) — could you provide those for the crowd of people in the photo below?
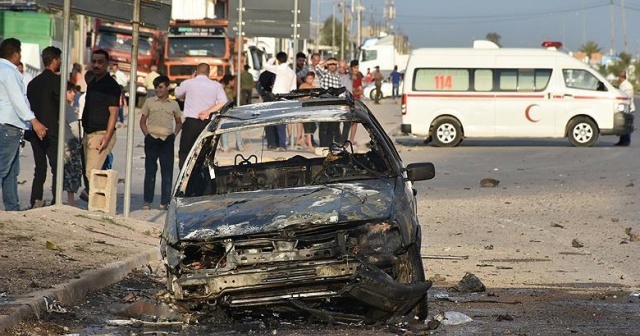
point(94, 111)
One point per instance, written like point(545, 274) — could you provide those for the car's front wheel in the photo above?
point(446, 132)
point(582, 132)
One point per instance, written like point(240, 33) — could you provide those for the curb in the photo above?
point(69, 292)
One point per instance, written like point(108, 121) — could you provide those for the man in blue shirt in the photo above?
point(395, 77)
point(15, 118)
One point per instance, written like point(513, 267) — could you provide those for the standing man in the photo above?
point(246, 85)
point(202, 97)
point(626, 87)
point(301, 68)
point(118, 75)
point(285, 82)
point(377, 78)
point(395, 77)
point(161, 122)
point(349, 130)
point(15, 117)
point(102, 103)
point(148, 81)
point(43, 93)
point(329, 132)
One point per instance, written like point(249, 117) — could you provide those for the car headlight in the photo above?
point(624, 108)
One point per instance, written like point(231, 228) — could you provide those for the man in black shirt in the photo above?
point(43, 93)
point(102, 104)
point(265, 86)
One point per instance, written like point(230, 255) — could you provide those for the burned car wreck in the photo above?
point(331, 232)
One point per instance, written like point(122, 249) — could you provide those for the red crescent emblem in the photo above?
point(528, 110)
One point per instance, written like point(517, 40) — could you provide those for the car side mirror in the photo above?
point(601, 87)
point(421, 171)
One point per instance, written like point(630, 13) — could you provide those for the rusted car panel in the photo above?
point(316, 234)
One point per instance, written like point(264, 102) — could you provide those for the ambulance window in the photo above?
point(483, 80)
point(542, 78)
point(508, 80)
point(526, 80)
point(441, 80)
point(580, 79)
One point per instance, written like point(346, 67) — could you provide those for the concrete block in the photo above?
point(103, 191)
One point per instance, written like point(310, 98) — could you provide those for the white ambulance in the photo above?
point(451, 94)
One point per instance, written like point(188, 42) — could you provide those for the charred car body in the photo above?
point(334, 235)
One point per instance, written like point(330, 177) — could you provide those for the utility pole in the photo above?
point(624, 27)
point(613, 31)
point(333, 28)
point(359, 36)
point(317, 48)
point(342, 6)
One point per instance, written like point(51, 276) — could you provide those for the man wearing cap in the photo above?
point(377, 77)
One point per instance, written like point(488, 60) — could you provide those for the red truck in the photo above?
point(191, 42)
point(116, 39)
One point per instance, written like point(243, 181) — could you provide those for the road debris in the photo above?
point(445, 257)
point(577, 244)
point(452, 318)
point(54, 306)
point(139, 323)
point(633, 237)
point(505, 317)
point(470, 284)
point(489, 183)
point(52, 246)
point(556, 225)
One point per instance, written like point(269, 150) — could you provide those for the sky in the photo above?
point(520, 23)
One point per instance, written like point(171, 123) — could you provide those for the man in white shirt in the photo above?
point(118, 75)
point(285, 82)
point(626, 87)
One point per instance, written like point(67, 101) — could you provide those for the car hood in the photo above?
point(219, 216)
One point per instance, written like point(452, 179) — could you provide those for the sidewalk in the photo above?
point(63, 253)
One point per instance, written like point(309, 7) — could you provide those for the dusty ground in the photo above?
point(43, 247)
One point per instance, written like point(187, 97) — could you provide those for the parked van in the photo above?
point(451, 94)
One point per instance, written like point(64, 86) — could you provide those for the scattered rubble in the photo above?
point(577, 244)
point(505, 317)
point(633, 237)
point(452, 318)
point(470, 284)
point(489, 183)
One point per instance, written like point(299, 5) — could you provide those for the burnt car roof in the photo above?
point(299, 105)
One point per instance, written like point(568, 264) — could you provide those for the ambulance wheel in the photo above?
point(446, 132)
point(582, 132)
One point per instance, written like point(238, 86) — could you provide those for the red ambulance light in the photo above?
point(404, 104)
point(552, 44)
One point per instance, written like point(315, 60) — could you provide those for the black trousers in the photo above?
point(328, 132)
point(158, 150)
point(191, 129)
point(44, 149)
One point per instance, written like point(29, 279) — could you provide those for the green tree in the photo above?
point(494, 37)
point(590, 48)
point(325, 36)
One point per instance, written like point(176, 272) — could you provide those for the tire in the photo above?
point(582, 132)
point(372, 94)
point(446, 132)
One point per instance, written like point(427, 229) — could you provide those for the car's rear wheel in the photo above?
point(582, 132)
point(446, 132)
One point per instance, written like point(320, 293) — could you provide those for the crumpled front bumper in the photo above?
point(355, 280)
